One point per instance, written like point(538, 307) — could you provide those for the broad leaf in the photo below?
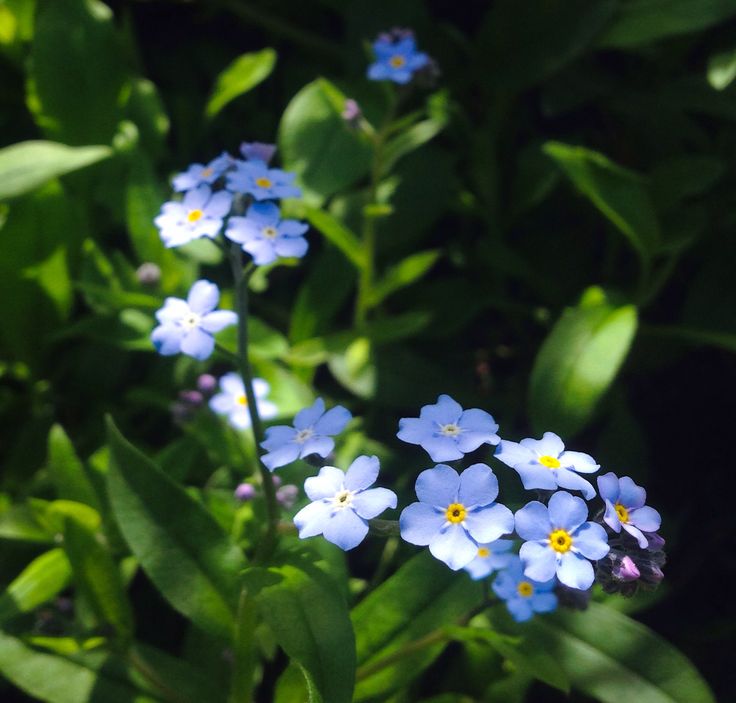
point(181, 548)
point(67, 471)
point(578, 362)
point(242, 75)
point(27, 165)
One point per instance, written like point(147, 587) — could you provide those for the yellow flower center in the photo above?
point(484, 552)
point(263, 182)
point(242, 400)
point(450, 430)
point(549, 461)
point(455, 512)
point(342, 499)
point(397, 61)
point(269, 232)
point(622, 512)
point(207, 172)
point(525, 589)
point(195, 215)
point(560, 541)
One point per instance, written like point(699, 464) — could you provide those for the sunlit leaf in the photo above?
point(242, 75)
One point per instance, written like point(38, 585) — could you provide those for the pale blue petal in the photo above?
point(174, 309)
point(291, 246)
point(325, 484)
point(442, 448)
point(540, 562)
point(532, 521)
point(591, 541)
point(267, 410)
point(631, 495)
point(611, 518)
point(544, 602)
point(232, 383)
point(566, 511)
point(196, 198)
point(262, 252)
point(574, 482)
point(242, 230)
point(221, 403)
point(549, 445)
point(475, 420)
point(282, 456)
point(198, 344)
point(505, 584)
point(312, 518)
point(277, 436)
point(445, 411)
point(239, 417)
point(220, 319)
point(454, 547)
point(479, 568)
point(371, 503)
point(292, 228)
point(167, 339)
point(478, 486)
point(438, 486)
point(489, 523)
point(307, 417)
point(260, 387)
point(414, 430)
point(637, 534)
point(362, 473)
point(207, 227)
point(220, 204)
point(512, 453)
point(345, 529)
point(581, 462)
point(646, 518)
point(378, 71)
point(317, 445)
point(520, 609)
point(469, 441)
point(419, 523)
point(608, 486)
point(575, 571)
point(416, 61)
point(536, 476)
point(333, 421)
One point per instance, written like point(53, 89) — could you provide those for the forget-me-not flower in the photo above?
point(258, 151)
point(490, 557)
point(309, 435)
point(523, 595)
point(232, 401)
point(456, 513)
point(446, 431)
point(397, 58)
point(265, 236)
point(560, 541)
point(625, 507)
point(343, 502)
point(199, 174)
point(199, 214)
point(263, 183)
point(544, 463)
point(187, 326)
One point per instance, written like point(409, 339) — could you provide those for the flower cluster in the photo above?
point(397, 58)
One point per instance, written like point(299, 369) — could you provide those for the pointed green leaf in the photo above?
point(403, 274)
point(242, 75)
point(67, 471)
point(336, 232)
point(182, 549)
point(722, 69)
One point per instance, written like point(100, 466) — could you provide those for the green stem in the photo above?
point(142, 667)
point(241, 277)
point(244, 664)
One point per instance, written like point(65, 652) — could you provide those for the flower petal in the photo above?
point(478, 486)
point(414, 430)
point(520, 608)
point(489, 523)
point(532, 521)
point(307, 417)
point(317, 445)
point(505, 584)
point(454, 546)
point(277, 436)
point(290, 246)
point(174, 309)
point(540, 562)
point(203, 297)
point(575, 571)
point(544, 602)
point(442, 448)
point(281, 456)
point(611, 518)
point(198, 344)
point(167, 339)
point(220, 204)
point(346, 529)
point(591, 541)
point(325, 484)
point(632, 496)
point(333, 421)
point(312, 518)
point(579, 461)
point(444, 411)
point(608, 486)
point(362, 473)
point(549, 445)
point(371, 503)
point(536, 476)
point(438, 486)
point(218, 320)
point(637, 534)
point(574, 482)
point(512, 453)
point(646, 518)
point(567, 511)
point(419, 523)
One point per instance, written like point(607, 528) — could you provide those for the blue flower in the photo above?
point(265, 236)
point(560, 541)
point(309, 435)
point(544, 463)
point(258, 151)
point(199, 174)
point(490, 557)
point(200, 214)
point(187, 325)
point(263, 183)
point(232, 401)
point(455, 513)
point(625, 507)
point(342, 503)
point(397, 58)
point(446, 431)
point(523, 595)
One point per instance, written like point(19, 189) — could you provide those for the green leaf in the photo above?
point(181, 548)
point(56, 679)
point(316, 143)
point(337, 233)
point(420, 597)
point(411, 139)
point(242, 75)
point(44, 578)
point(578, 362)
point(77, 76)
point(403, 274)
point(97, 577)
point(20, 522)
point(642, 22)
point(621, 195)
point(722, 69)
point(311, 623)
point(27, 165)
point(605, 653)
point(296, 684)
point(67, 471)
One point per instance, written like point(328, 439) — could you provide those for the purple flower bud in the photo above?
point(148, 274)
point(287, 495)
point(245, 492)
point(276, 481)
point(655, 541)
point(257, 151)
point(191, 398)
point(207, 384)
point(626, 570)
point(351, 112)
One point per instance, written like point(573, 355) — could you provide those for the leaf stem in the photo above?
point(244, 665)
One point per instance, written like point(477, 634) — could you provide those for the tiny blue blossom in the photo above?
point(342, 503)
point(187, 326)
point(199, 214)
point(201, 174)
point(455, 514)
point(397, 58)
point(263, 183)
point(560, 541)
point(625, 507)
point(523, 595)
point(490, 557)
point(258, 151)
point(309, 435)
point(265, 236)
point(544, 463)
point(232, 401)
point(446, 431)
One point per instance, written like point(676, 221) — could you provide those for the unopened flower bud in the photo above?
point(207, 384)
point(625, 570)
point(192, 398)
point(351, 112)
point(276, 480)
point(148, 274)
point(245, 492)
point(287, 495)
